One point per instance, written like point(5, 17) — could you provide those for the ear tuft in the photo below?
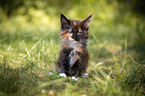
point(86, 21)
point(64, 20)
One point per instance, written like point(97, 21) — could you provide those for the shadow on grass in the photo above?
point(25, 80)
point(15, 80)
point(139, 49)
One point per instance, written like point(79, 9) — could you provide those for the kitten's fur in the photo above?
point(73, 59)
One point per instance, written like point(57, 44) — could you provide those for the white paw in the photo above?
point(74, 78)
point(62, 75)
point(85, 75)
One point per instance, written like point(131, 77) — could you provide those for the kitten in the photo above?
point(73, 59)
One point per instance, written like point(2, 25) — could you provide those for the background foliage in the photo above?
point(30, 44)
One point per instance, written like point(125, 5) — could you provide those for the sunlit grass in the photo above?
point(30, 45)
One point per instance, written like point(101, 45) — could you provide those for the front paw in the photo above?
point(85, 75)
point(62, 75)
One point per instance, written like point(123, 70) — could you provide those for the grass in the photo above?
point(29, 50)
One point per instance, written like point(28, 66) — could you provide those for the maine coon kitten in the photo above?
point(73, 59)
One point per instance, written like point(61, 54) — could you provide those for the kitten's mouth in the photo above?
point(76, 39)
point(72, 39)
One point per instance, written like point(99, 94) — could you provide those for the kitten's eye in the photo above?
point(70, 30)
point(80, 32)
point(66, 27)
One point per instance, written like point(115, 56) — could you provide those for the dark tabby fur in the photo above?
point(73, 59)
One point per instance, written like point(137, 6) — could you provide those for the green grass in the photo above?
point(30, 45)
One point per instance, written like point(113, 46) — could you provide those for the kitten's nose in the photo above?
point(75, 36)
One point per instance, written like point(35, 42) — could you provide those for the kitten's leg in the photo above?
point(73, 58)
point(62, 70)
point(63, 61)
point(75, 70)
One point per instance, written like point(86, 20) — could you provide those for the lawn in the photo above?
point(30, 45)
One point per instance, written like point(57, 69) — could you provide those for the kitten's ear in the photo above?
point(86, 21)
point(64, 20)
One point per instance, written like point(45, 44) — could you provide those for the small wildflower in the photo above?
point(43, 91)
point(50, 73)
point(51, 93)
point(84, 95)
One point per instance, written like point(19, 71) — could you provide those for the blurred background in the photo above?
point(30, 42)
point(30, 19)
point(114, 21)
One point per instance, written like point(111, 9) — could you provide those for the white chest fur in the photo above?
point(74, 53)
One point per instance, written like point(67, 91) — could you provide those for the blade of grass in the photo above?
point(26, 49)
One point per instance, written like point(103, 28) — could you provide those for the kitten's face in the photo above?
point(74, 29)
